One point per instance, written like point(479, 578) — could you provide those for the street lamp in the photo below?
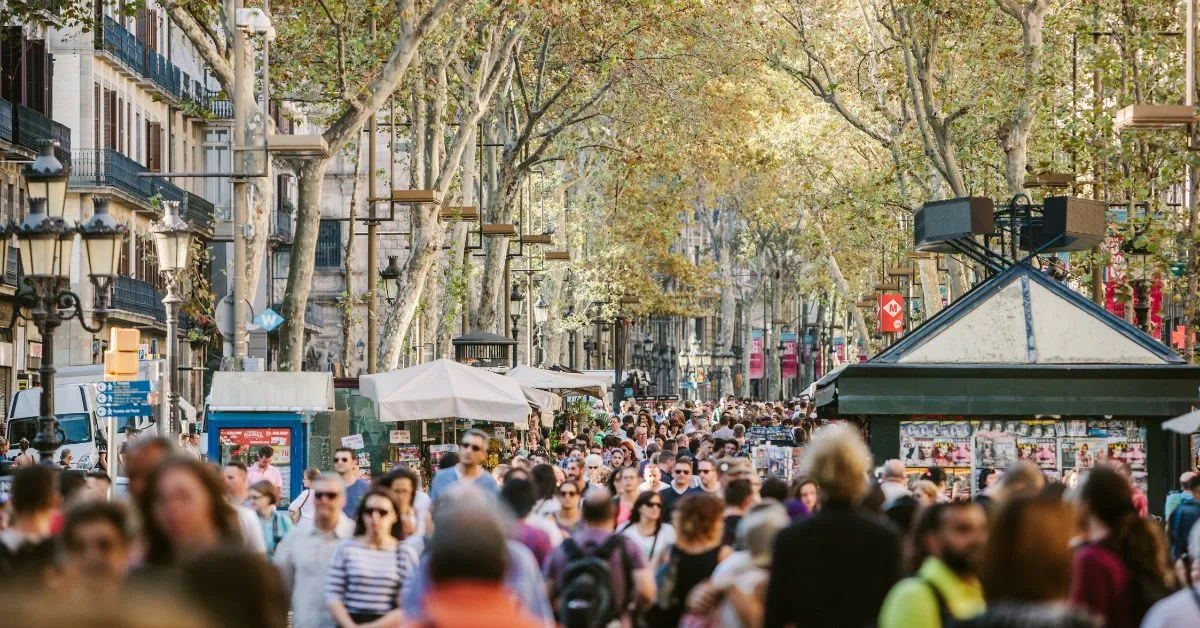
point(46, 246)
point(173, 240)
point(46, 178)
point(515, 297)
point(1140, 269)
point(541, 312)
point(390, 278)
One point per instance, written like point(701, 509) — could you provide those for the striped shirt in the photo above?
point(363, 579)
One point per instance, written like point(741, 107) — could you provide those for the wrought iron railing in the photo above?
point(164, 73)
point(199, 212)
point(221, 107)
point(281, 225)
point(32, 126)
point(138, 297)
point(131, 51)
point(329, 254)
point(123, 45)
point(105, 167)
point(6, 120)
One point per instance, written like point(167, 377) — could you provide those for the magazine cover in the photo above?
point(1136, 455)
point(917, 452)
point(1082, 453)
point(995, 450)
point(1041, 451)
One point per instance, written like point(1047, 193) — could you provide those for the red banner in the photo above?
point(756, 354)
point(788, 362)
point(891, 312)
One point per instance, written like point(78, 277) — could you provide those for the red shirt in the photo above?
point(1100, 583)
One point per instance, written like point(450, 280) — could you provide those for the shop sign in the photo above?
point(353, 441)
point(399, 437)
point(891, 312)
point(756, 354)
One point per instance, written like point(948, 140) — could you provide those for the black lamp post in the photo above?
point(515, 297)
point(46, 246)
point(173, 243)
point(588, 347)
point(389, 277)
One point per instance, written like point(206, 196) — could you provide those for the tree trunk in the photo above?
point(485, 316)
point(426, 244)
point(311, 179)
point(348, 300)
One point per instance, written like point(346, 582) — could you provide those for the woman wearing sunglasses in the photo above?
point(365, 575)
point(568, 518)
point(646, 526)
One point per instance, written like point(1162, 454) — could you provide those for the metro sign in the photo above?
point(891, 312)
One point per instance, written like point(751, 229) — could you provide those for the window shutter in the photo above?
point(155, 157)
point(97, 109)
point(121, 125)
point(110, 119)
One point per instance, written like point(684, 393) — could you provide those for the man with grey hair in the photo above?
point(472, 451)
point(304, 554)
point(747, 569)
point(894, 483)
point(1181, 608)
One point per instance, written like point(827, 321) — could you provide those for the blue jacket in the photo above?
point(1180, 524)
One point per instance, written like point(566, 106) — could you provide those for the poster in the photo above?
point(756, 354)
point(995, 450)
point(1040, 451)
point(435, 454)
point(1082, 453)
point(787, 361)
point(242, 444)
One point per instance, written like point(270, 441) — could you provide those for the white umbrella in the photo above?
point(1185, 424)
point(445, 389)
point(560, 381)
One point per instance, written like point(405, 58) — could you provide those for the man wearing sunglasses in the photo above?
point(304, 554)
point(346, 466)
point(472, 451)
point(681, 484)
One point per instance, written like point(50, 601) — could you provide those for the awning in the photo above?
point(560, 382)
point(271, 391)
point(1017, 390)
point(445, 389)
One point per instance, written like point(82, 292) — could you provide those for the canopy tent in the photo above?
point(271, 391)
point(558, 381)
point(544, 401)
point(445, 389)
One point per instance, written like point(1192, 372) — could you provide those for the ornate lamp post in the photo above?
point(173, 239)
point(541, 312)
point(390, 278)
point(46, 246)
point(515, 297)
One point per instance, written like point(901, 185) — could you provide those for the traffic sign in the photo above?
point(268, 320)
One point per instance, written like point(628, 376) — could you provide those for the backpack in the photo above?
point(587, 599)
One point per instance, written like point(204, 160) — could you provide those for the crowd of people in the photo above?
point(651, 517)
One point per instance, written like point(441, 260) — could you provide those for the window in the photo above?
point(329, 244)
point(216, 159)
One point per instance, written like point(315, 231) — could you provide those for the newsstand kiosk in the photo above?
point(247, 410)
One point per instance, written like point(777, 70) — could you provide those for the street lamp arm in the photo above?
point(72, 307)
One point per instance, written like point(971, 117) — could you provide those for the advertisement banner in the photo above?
point(756, 354)
point(788, 361)
point(891, 312)
point(242, 444)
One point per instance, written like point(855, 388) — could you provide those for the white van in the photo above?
point(79, 428)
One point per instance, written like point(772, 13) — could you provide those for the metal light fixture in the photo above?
point(515, 295)
point(648, 344)
point(42, 240)
point(541, 310)
point(390, 277)
point(172, 235)
point(103, 237)
point(46, 178)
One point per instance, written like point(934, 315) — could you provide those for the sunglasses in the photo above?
point(326, 494)
point(593, 468)
point(568, 493)
point(471, 446)
point(706, 470)
point(380, 512)
point(683, 472)
point(654, 505)
point(341, 460)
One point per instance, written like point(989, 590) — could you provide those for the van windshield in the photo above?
point(77, 428)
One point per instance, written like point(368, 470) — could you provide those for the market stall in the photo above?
point(1022, 367)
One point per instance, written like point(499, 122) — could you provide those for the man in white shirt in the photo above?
point(894, 483)
point(236, 491)
point(304, 555)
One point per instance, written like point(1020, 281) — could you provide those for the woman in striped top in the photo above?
point(365, 574)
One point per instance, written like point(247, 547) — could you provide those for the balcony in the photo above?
point(138, 297)
point(30, 127)
point(6, 121)
point(147, 64)
point(281, 226)
point(199, 213)
point(104, 167)
point(221, 107)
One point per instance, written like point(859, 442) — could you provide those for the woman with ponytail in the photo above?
point(1120, 570)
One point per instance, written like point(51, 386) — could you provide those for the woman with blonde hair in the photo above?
point(925, 492)
point(858, 554)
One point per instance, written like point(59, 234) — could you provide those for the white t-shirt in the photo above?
point(1178, 609)
point(652, 548)
point(251, 529)
point(304, 504)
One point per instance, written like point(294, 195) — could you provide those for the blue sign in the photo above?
point(268, 320)
point(119, 399)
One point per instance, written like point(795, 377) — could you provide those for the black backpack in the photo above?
point(587, 599)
